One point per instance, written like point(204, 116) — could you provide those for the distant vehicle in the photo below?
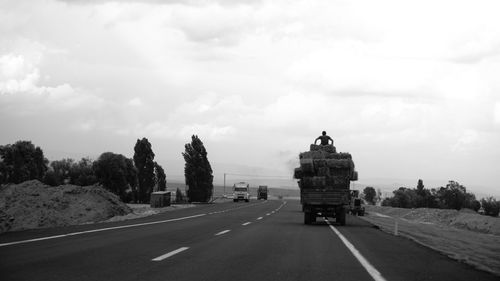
point(481, 211)
point(355, 206)
point(262, 192)
point(241, 191)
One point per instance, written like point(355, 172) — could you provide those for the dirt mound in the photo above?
point(33, 204)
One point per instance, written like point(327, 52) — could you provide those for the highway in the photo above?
point(260, 240)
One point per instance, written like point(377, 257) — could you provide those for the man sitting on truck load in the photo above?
point(325, 139)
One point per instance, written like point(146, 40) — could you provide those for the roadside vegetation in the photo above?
point(452, 196)
point(131, 179)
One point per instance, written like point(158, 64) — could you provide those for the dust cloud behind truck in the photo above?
point(324, 180)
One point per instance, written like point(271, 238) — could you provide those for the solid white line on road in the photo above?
point(99, 230)
point(168, 255)
point(374, 273)
point(259, 218)
point(222, 232)
point(247, 223)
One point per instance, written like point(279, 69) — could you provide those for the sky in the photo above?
point(410, 88)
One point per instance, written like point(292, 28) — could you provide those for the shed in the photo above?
point(160, 199)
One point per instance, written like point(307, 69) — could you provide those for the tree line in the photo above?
point(452, 196)
point(132, 179)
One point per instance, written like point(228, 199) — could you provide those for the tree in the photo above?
point(21, 161)
point(160, 178)
point(453, 196)
point(59, 172)
point(197, 171)
point(370, 194)
point(491, 206)
point(420, 188)
point(116, 173)
point(67, 171)
point(82, 173)
point(143, 160)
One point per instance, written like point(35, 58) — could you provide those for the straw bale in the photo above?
point(354, 176)
point(312, 154)
point(339, 163)
point(341, 155)
point(318, 163)
point(342, 172)
point(313, 182)
point(297, 173)
point(307, 165)
point(323, 172)
point(325, 148)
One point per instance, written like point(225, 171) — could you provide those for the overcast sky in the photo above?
point(410, 88)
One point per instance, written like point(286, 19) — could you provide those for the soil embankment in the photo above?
point(33, 204)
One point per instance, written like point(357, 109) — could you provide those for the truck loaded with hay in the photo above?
point(324, 179)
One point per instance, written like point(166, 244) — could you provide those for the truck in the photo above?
point(241, 191)
point(324, 178)
point(262, 192)
point(356, 206)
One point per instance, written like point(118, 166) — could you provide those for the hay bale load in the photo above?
point(324, 179)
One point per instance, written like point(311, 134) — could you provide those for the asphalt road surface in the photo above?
point(260, 240)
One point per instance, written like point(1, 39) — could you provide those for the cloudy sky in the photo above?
point(410, 88)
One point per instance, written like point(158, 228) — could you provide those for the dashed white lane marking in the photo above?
point(168, 255)
point(259, 218)
point(247, 223)
point(374, 273)
point(268, 214)
point(99, 230)
point(222, 232)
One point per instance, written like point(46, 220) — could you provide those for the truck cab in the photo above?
point(355, 206)
point(262, 192)
point(241, 191)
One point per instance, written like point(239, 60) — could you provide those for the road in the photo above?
point(260, 240)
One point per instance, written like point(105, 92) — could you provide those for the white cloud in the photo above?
point(466, 141)
point(135, 102)
point(497, 113)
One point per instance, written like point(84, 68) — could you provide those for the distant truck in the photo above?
point(262, 192)
point(355, 206)
point(241, 191)
point(324, 179)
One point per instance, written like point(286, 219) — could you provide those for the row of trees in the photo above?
point(452, 196)
point(132, 180)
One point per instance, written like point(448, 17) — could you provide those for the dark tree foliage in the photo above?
point(370, 194)
point(197, 171)
point(420, 188)
point(21, 161)
point(59, 172)
point(453, 196)
point(67, 171)
point(403, 198)
point(491, 206)
point(144, 162)
point(116, 173)
point(160, 178)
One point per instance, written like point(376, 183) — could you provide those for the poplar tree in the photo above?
point(197, 171)
point(145, 165)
